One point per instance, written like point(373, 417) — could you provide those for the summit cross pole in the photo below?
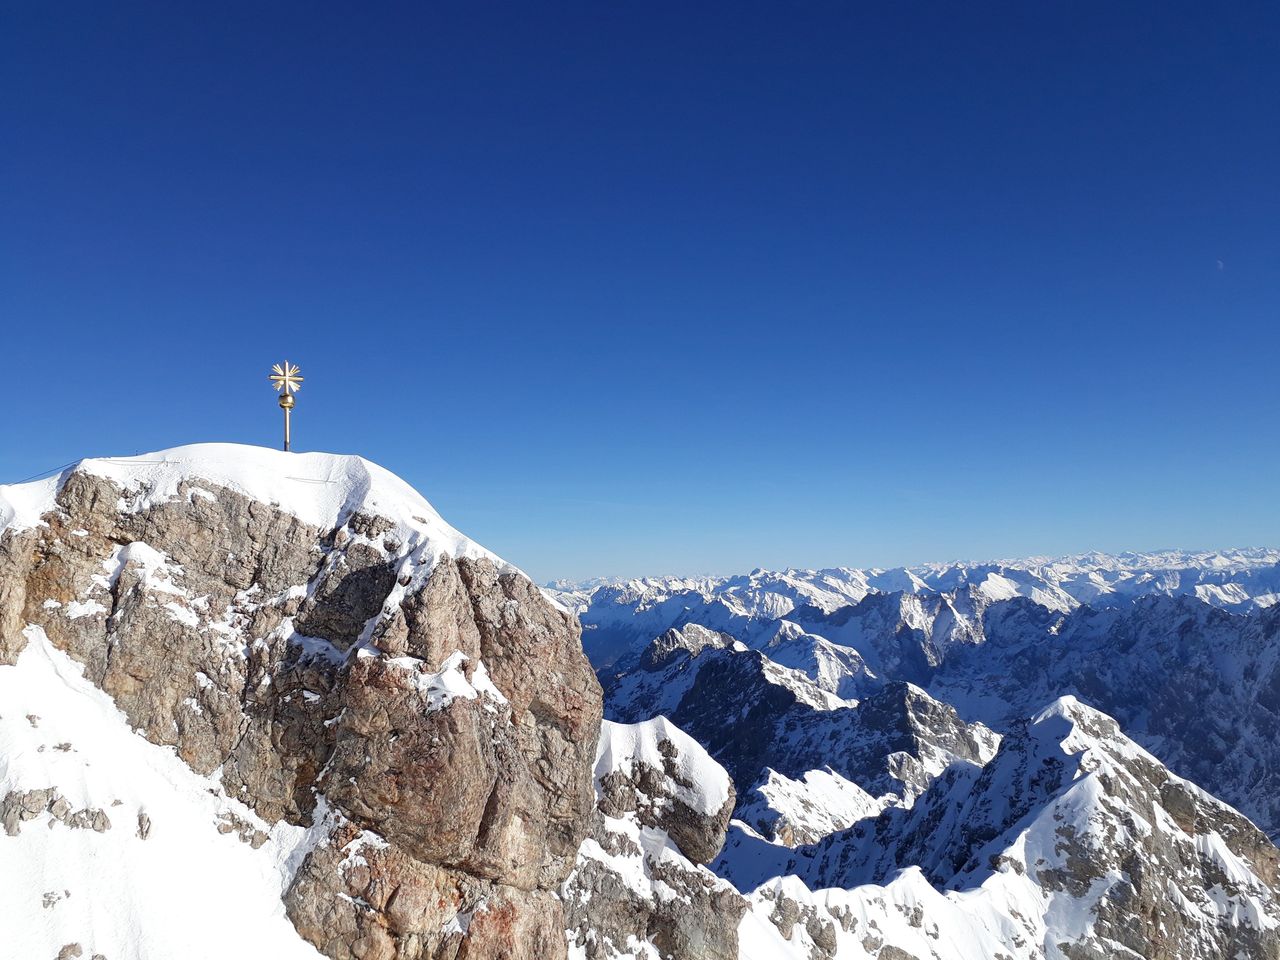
point(286, 380)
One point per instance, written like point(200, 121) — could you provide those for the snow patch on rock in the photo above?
point(440, 688)
point(700, 783)
point(128, 892)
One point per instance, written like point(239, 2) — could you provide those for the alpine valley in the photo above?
point(260, 704)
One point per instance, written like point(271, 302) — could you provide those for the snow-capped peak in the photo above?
point(323, 490)
point(699, 781)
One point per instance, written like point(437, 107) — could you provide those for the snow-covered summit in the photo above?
point(1072, 841)
point(315, 689)
point(322, 489)
point(697, 780)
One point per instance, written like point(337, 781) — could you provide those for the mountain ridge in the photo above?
point(333, 665)
point(1160, 558)
point(288, 667)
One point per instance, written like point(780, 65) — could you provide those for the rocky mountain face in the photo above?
point(1191, 681)
point(903, 792)
point(639, 888)
point(771, 726)
point(1071, 843)
point(401, 722)
point(1196, 685)
point(258, 704)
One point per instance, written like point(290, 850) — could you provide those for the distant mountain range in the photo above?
point(619, 616)
point(1007, 748)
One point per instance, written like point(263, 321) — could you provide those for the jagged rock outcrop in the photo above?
point(1197, 685)
point(306, 630)
point(657, 772)
point(1183, 649)
point(767, 724)
point(1072, 843)
point(639, 884)
point(691, 639)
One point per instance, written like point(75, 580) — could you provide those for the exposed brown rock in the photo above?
point(687, 913)
point(228, 629)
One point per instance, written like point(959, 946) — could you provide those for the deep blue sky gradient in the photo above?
point(634, 288)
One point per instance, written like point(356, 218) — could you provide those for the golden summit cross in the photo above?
point(286, 380)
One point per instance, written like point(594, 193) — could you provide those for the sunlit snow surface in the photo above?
point(185, 891)
point(699, 781)
point(1007, 911)
point(321, 489)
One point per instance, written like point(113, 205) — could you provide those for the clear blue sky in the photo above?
point(640, 288)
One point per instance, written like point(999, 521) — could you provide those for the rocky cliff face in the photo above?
point(304, 632)
point(778, 732)
point(639, 888)
point(256, 704)
point(1196, 685)
point(1072, 843)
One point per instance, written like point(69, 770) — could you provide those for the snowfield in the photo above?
point(164, 860)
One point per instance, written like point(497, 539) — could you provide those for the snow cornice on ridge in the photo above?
point(324, 490)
